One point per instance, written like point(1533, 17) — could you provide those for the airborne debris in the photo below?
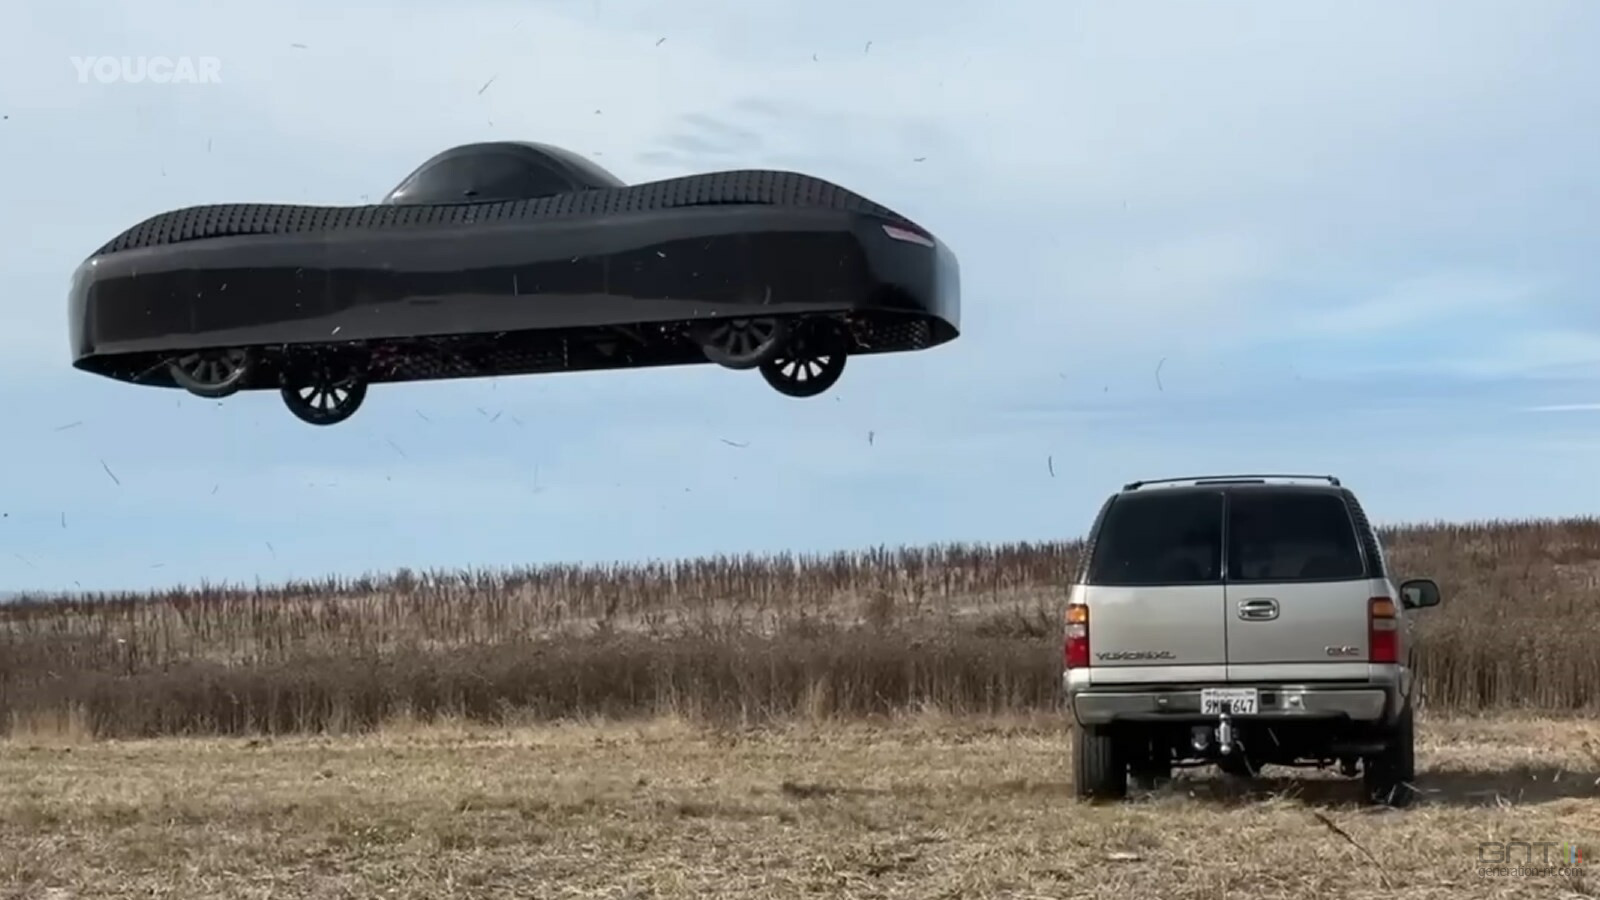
point(1383, 876)
point(111, 473)
point(487, 83)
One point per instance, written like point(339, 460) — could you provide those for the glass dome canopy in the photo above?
point(499, 170)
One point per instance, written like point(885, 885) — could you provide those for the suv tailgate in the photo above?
point(1154, 591)
point(1298, 589)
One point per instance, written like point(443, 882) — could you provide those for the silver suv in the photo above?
point(1242, 621)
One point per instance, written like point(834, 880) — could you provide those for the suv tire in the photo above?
point(1389, 777)
point(1099, 765)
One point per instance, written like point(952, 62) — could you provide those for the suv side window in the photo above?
point(1278, 537)
point(1163, 537)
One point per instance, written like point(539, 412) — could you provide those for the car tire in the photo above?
point(1390, 777)
point(1099, 767)
point(213, 374)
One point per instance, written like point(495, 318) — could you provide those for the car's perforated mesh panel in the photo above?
point(745, 186)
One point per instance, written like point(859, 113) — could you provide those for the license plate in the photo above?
point(1238, 701)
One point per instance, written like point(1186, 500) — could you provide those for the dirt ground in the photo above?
point(922, 808)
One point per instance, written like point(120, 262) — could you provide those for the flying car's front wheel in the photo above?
point(325, 394)
point(213, 374)
point(742, 343)
point(810, 363)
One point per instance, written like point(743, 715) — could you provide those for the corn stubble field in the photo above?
point(876, 724)
point(964, 629)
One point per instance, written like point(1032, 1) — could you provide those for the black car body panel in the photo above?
point(495, 285)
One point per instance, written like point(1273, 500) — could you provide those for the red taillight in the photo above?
point(1383, 631)
point(908, 235)
point(1077, 649)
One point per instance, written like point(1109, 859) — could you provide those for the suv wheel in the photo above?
point(1389, 778)
point(1099, 767)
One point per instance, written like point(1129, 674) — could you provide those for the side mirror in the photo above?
point(1419, 593)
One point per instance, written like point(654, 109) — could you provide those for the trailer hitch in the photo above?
point(1224, 731)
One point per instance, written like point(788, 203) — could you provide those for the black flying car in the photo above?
point(512, 258)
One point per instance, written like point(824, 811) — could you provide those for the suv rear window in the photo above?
point(1280, 536)
point(1160, 537)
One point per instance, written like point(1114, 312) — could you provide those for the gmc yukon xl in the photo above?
point(1239, 621)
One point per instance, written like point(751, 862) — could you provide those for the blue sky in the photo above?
point(1353, 237)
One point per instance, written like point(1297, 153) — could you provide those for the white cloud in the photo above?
point(1564, 407)
point(1549, 354)
point(1421, 300)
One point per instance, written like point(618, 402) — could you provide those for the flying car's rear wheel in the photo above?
point(213, 373)
point(324, 393)
point(810, 362)
point(742, 343)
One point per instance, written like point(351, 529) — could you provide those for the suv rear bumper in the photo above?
point(1367, 702)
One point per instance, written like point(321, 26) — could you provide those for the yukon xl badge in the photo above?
point(1135, 654)
point(1343, 651)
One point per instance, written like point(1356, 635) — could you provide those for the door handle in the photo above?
point(1258, 609)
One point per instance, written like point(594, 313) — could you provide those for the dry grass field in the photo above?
point(916, 806)
point(881, 724)
point(965, 629)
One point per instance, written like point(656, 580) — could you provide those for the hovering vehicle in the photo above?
point(511, 258)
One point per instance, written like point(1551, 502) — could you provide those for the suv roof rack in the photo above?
point(1227, 479)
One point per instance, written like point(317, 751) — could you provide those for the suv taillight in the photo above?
point(1077, 649)
point(1383, 631)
